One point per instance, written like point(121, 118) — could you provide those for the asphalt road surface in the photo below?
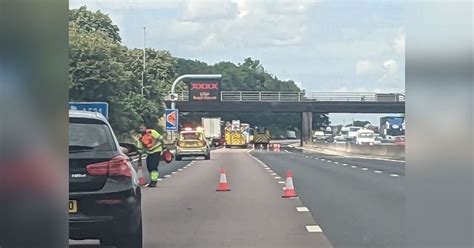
point(186, 211)
point(357, 202)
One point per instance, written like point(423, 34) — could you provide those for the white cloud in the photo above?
point(364, 67)
point(124, 4)
point(399, 44)
point(236, 24)
point(351, 88)
point(204, 11)
point(367, 67)
point(390, 66)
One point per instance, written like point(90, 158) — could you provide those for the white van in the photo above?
point(365, 137)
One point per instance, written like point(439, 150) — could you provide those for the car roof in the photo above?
point(190, 131)
point(87, 115)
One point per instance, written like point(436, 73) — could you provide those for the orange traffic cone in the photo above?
point(289, 190)
point(223, 185)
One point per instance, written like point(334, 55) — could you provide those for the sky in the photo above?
point(323, 45)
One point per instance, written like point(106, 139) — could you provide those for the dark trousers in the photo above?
point(152, 161)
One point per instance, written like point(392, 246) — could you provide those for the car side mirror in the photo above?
point(129, 149)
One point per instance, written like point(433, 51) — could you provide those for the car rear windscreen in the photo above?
point(190, 136)
point(90, 136)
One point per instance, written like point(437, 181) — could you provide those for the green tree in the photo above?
point(102, 69)
point(359, 123)
point(320, 121)
point(248, 76)
point(86, 21)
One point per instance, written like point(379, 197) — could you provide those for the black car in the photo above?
point(104, 194)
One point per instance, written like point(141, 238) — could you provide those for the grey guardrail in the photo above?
point(395, 151)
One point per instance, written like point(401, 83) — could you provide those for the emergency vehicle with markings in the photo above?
point(261, 137)
point(236, 135)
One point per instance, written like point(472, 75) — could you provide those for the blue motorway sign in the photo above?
point(101, 107)
point(171, 118)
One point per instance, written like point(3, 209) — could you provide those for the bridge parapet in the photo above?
point(274, 96)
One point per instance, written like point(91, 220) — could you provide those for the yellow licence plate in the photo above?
point(72, 206)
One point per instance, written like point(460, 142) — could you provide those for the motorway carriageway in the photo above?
point(343, 202)
point(186, 211)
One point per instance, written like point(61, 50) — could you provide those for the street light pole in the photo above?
point(144, 60)
point(197, 76)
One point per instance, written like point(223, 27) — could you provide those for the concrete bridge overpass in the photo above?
point(305, 103)
point(320, 102)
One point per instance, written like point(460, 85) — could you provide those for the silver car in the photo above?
point(192, 144)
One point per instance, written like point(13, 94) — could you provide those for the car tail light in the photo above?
point(98, 169)
point(117, 166)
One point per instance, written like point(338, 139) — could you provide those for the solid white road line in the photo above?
point(354, 156)
point(314, 228)
point(302, 209)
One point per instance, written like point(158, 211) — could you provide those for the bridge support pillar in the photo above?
point(306, 127)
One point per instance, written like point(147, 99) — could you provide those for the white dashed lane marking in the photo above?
point(344, 164)
point(302, 209)
point(364, 169)
point(180, 169)
point(277, 177)
point(377, 171)
point(336, 162)
point(394, 175)
point(273, 174)
point(353, 166)
point(281, 182)
point(314, 228)
point(174, 172)
point(167, 176)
